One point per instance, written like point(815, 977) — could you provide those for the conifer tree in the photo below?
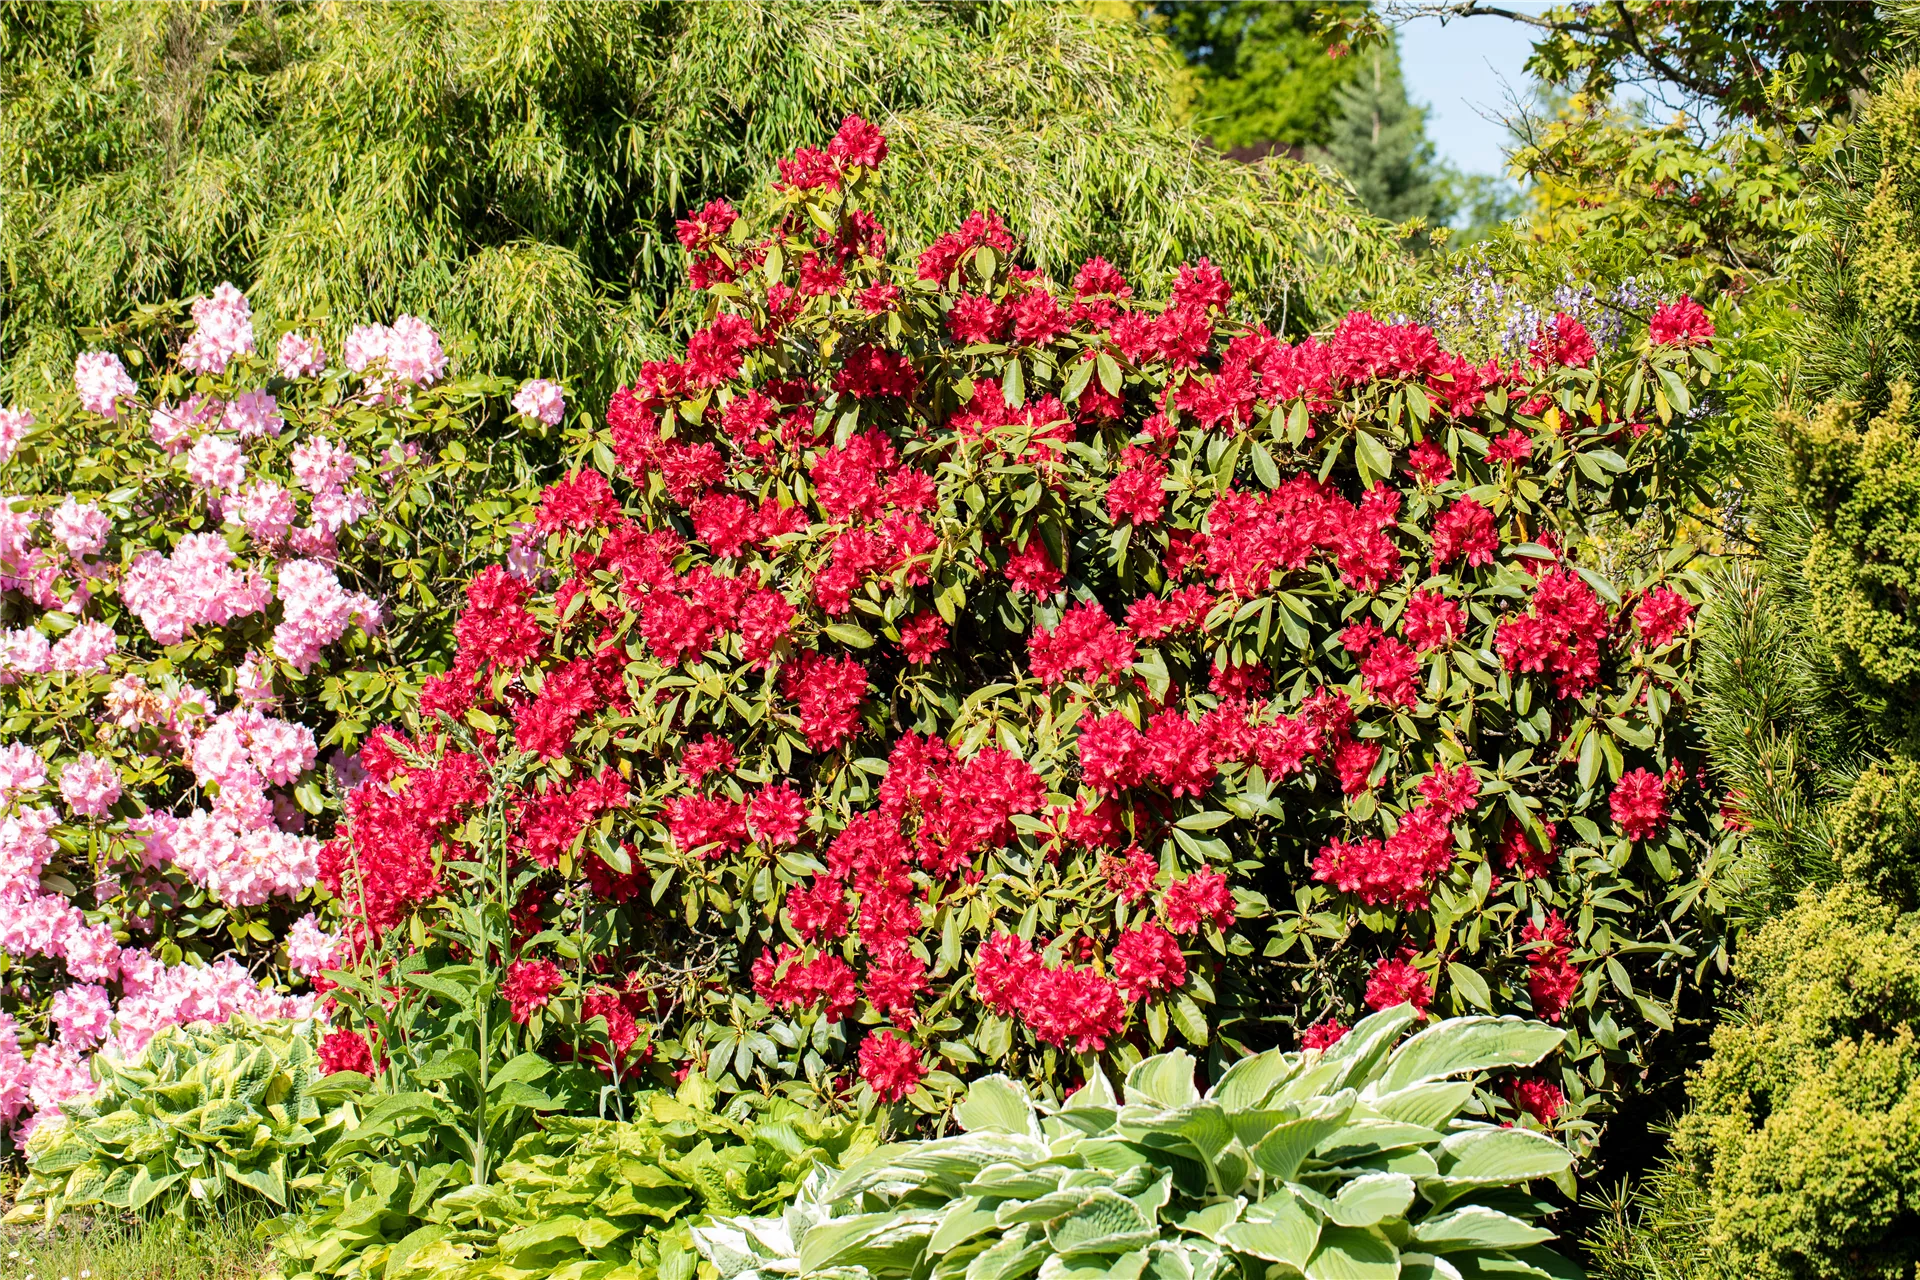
point(1378, 139)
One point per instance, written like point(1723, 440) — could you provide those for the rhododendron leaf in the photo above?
point(1461, 1045)
point(1109, 369)
point(1375, 459)
point(1077, 380)
point(1013, 386)
point(851, 634)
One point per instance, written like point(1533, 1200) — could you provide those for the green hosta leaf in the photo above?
point(1278, 1229)
point(1477, 1227)
point(1019, 1254)
point(1165, 1080)
point(1494, 1156)
point(961, 1223)
point(1428, 1106)
point(997, 1104)
point(1370, 1200)
point(1461, 1045)
point(1363, 1139)
point(1288, 1143)
point(877, 1241)
point(1107, 1222)
point(1248, 1083)
point(1425, 1266)
point(1127, 1266)
point(1213, 1219)
point(1202, 1126)
point(1358, 1052)
point(1351, 1253)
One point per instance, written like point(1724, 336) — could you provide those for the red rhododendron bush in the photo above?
point(946, 666)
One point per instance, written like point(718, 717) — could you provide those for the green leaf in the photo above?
point(1461, 1045)
point(1372, 1199)
point(1494, 1155)
point(996, 1104)
point(1165, 1080)
point(1350, 1253)
point(1477, 1227)
point(851, 634)
point(1106, 1222)
point(1277, 1229)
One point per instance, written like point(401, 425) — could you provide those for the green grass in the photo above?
point(84, 1248)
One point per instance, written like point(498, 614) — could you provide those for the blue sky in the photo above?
point(1465, 72)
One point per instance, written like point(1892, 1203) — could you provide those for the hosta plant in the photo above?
point(1350, 1163)
point(581, 1199)
point(205, 1117)
point(945, 666)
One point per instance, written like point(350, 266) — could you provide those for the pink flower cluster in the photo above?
point(316, 612)
point(242, 858)
point(223, 329)
point(15, 422)
point(102, 382)
point(542, 401)
point(195, 586)
point(408, 351)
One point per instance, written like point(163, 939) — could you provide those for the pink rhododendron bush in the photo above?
point(213, 576)
point(943, 666)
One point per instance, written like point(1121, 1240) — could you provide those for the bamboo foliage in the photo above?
point(513, 172)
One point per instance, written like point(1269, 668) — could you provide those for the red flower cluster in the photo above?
point(1551, 976)
point(1146, 960)
point(398, 822)
point(1251, 537)
point(530, 986)
point(1201, 900)
point(1639, 804)
point(785, 981)
point(1538, 1098)
point(1560, 633)
point(1394, 981)
point(345, 1051)
point(1324, 1034)
point(891, 1066)
point(1662, 614)
point(1062, 1005)
point(1400, 870)
point(1680, 323)
point(1085, 645)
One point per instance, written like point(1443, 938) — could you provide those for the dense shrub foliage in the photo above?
point(945, 665)
point(213, 575)
point(582, 1198)
point(1350, 1161)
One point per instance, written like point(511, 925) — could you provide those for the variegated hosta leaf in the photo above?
point(1314, 1163)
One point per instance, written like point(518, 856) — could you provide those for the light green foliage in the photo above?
point(201, 1119)
point(1800, 1156)
point(1876, 831)
point(583, 1199)
point(1346, 1164)
point(1863, 561)
point(513, 172)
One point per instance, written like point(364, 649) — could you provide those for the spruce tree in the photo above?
point(1379, 141)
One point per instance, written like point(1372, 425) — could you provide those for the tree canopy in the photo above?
point(514, 171)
